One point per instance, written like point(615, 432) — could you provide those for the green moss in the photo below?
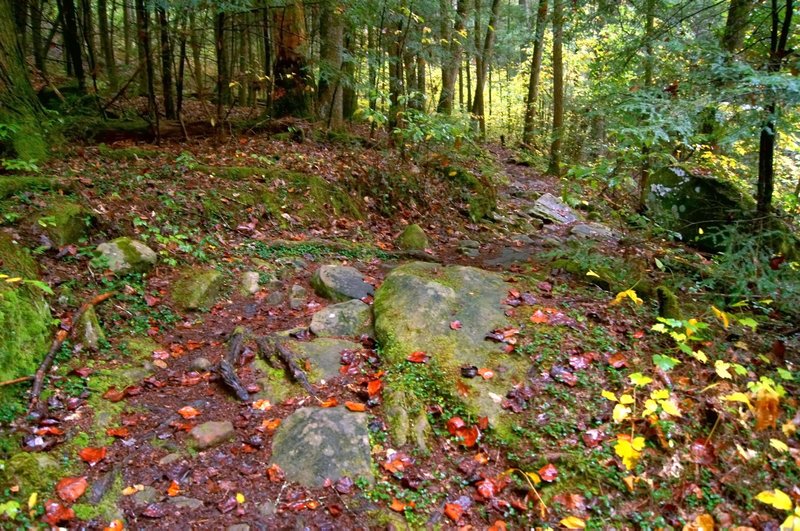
point(129, 153)
point(32, 472)
point(10, 185)
point(106, 509)
point(30, 145)
point(668, 304)
point(310, 198)
point(197, 288)
point(413, 238)
point(240, 172)
point(275, 384)
point(67, 222)
point(479, 190)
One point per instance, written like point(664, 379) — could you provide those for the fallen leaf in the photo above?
point(270, 425)
point(330, 402)
point(539, 317)
point(92, 455)
point(355, 406)
point(115, 525)
point(486, 374)
point(573, 522)
point(262, 405)
point(188, 412)
point(49, 430)
point(240, 499)
point(498, 525)
point(776, 498)
point(617, 360)
point(592, 438)
point(121, 432)
point(548, 472)
point(453, 511)
point(56, 513)
point(133, 489)
point(455, 325)
point(469, 435)
point(374, 387)
point(174, 488)
point(399, 506)
point(70, 489)
point(701, 452)
point(275, 473)
point(418, 357)
point(454, 424)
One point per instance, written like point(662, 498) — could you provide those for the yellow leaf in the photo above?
point(792, 523)
point(699, 355)
point(670, 408)
point(789, 429)
point(3, 276)
point(573, 522)
point(700, 231)
point(639, 380)
point(628, 293)
point(776, 498)
point(32, 499)
point(660, 394)
point(629, 451)
point(608, 395)
point(621, 412)
point(721, 368)
point(127, 491)
point(533, 476)
point(779, 445)
point(626, 399)
point(746, 453)
point(591, 273)
point(650, 407)
point(722, 316)
point(239, 497)
point(15, 279)
point(737, 397)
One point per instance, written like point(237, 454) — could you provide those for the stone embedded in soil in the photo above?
point(238, 527)
point(125, 255)
point(200, 364)
point(250, 284)
point(593, 231)
point(348, 319)
point(297, 297)
point(212, 433)
point(89, 331)
point(413, 238)
point(314, 444)
point(145, 496)
point(197, 288)
point(324, 354)
point(549, 208)
point(340, 283)
point(68, 222)
point(183, 502)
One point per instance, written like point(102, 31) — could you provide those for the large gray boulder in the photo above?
point(550, 208)
point(340, 283)
point(347, 319)
point(314, 444)
point(415, 308)
point(125, 255)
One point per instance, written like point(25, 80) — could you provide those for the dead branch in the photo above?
point(61, 336)
point(271, 345)
point(227, 365)
point(16, 380)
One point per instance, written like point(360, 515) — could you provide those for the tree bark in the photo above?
point(735, 25)
point(452, 63)
point(349, 97)
point(19, 107)
point(106, 45)
point(291, 97)
point(39, 53)
point(223, 82)
point(72, 42)
point(536, 70)
point(330, 103)
point(143, 26)
point(166, 64)
point(554, 167)
point(480, 77)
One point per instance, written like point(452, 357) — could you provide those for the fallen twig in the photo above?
point(61, 336)
point(16, 380)
point(287, 358)
point(227, 365)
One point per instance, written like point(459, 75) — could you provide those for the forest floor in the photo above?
point(577, 451)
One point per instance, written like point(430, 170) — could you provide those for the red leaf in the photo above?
point(49, 430)
point(374, 387)
point(486, 488)
point(114, 395)
point(70, 489)
point(455, 325)
point(592, 438)
point(188, 412)
point(483, 423)
point(469, 436)
point(548, 472)
point(118, 432)
point(418, 357)
point(93, 455)
point(83, 372)
point(617, 361)
point(174, 488)
point(55, 513)
point(539, 317)
point(454, 424)
point(275, 473)
point(355, 406)
point(702, 452)
point(453, 511)
point(150, 300)
point(487, 374)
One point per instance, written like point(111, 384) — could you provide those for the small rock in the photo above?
point(197, 288)
point(250, 283)
point(145, 496)
point(184, 502)
point(212, 433)
point(340, 283)
point(350, 319)
point(413, 238)
point(89, 330)
point(125, 255)
point(522, 238)
point(549, 208)
point(266, 509)
point(200, 364)
point(275, 298)
point(169, 459)
point(238, 527)
point(469, 244)
point(593, 231)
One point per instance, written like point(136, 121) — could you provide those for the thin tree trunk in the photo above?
point(143, 26)
point(72, 41)
point(478, 110)
point(536, 70)
point(554, 167)
point(166, 64)
point(330, 103)
point(451, 68)
point(649, 64)
point(349, 99)
point(126, 30)
point(735, 25)
point(181, 66)
point(106, 46)
point(87, 28)
point(372, 69)
point(223, 88)
point(195, 44)
point(36, 36)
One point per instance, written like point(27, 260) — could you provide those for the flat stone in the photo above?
point(340, 283)
point(511, 255)
point(169, 458)
point(593, 231)
point(238, 527)
point(212, 433)
point(550, 208)
point(200, 364)
point(184, 502)
point(314, 444)
point(349, 319)
point(125, 255)
point(324, 354)
point(275, 298)
point(250, 284)
point(469, 244)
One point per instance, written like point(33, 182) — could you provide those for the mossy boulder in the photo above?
point(125, 255)
point(32, 472)
point(480, 191)
point(346, 319)
point(25, 317)
point(89, 331)
point(66, 222)
point(413, 238)
point(197, 288)
point(340, 283)
point(12, 184)
point(414, 309)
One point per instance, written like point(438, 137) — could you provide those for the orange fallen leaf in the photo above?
point(49, 430)
point(271, 424)
point(399, 506)
point(481, 458)
point(487, 374)
point(275, 473)
point(121, 432)
point(469, 435)
point(548, 472)
point(330, 402)
point(454, 424)
point(93, 455)
point(262, 405)
point(418, 357)
point(453, 511)
point(539, 317)
point(70, 489)
point(115, 525)
point(188, 412)
point(355, 406)
point(374, 387)
point(55, 513)
point(498, 525)
point(174, 488)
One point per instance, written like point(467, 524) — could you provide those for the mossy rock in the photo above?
point(308, 198)
point(66, 222)
point(480, 191)
point(127, 154)
point(125, 255)
point(32, 472)
point(25, 319)
point(89, 331)
point(197, 288)
point(413, 238)
point(11, 184)
point(668, 305)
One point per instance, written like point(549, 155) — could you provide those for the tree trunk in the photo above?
point(330, 103)
point(480, 77)
point(39, 53)
point(126, 30)
point(291, 97)
point(452, 64)
point(143, 26)
point(779, 36)
point(223, 83)
point(179, 80)
point(349, 98)
point(649, 65)
point(106, 46)
point(735, 25)
point(197, 63)
point(536, 70)
point(166, 64)
point(21, 20)
point(87, 29)
point(19, 106)
point(72, 41)
point(554, 167)
point(396, 88)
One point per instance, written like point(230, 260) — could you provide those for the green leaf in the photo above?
point(665, 363)
point(748, 321)
point(784, 374)
point(9, 508)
